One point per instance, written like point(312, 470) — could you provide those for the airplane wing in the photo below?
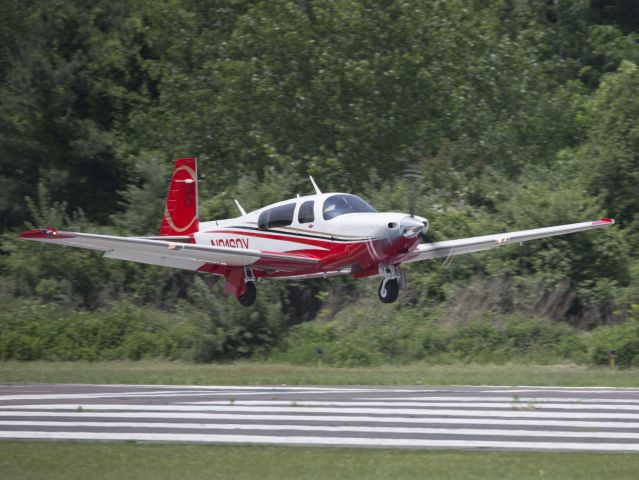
point(169, 252)
point(448, 248)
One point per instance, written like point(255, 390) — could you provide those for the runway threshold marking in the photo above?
point(455, 417)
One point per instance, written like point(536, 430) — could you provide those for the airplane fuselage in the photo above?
point(331, 227)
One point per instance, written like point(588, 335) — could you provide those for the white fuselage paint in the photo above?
point(240, 232)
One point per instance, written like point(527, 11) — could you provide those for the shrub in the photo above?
point(623, 338)
point(349, 353)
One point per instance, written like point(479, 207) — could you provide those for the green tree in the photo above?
point(609, 159)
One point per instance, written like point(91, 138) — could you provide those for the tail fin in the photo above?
point(181, 212)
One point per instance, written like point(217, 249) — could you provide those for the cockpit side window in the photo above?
point(337, 205)
point(306, 214)
point(281, 216)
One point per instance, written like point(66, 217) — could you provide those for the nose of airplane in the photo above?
point(410, 226)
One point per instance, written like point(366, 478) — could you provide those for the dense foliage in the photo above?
point(518, 113)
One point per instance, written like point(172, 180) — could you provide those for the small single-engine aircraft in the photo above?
point(317, 236)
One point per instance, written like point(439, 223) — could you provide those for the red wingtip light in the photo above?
point(604, 221)
point(41, 233)
point(37, 233)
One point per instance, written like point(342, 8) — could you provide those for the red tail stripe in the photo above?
point(180, 213)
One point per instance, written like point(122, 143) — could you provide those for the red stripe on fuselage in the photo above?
point(289, 237)
point(334, 254)
point(330, 249)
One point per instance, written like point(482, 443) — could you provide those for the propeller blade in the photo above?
point(411, 175)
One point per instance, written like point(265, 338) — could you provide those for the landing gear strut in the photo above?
point(389, 287)
point(250, 293)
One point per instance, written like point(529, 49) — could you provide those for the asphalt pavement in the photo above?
point(457, 417)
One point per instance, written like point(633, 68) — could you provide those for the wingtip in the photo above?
point(39, 233)
point(604, 221)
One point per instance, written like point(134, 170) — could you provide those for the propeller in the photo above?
point(412, 175)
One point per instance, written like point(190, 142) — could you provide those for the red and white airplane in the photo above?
point(316, 236)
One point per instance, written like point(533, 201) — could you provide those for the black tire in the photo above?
point(250, 294)
point(391, 293)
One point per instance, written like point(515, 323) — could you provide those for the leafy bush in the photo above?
point(351, 353)
point(406, 337)
point(32, 330)
point(623, 338)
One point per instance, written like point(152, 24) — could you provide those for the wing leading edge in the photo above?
point(449, 248)
point(169, 253)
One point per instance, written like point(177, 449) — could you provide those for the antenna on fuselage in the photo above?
point(239, 207)
point(317, 190)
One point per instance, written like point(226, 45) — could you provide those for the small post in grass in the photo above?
point(318, 357)
point(613, 358)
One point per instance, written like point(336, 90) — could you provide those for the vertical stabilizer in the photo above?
point(181, 212)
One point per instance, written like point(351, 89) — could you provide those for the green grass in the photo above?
point(246, 373)
point(60, 460)
point(51, 461)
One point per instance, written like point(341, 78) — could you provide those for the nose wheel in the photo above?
point(393, 280)
point(388, 290)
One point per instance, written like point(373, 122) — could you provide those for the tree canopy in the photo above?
point(518, 114)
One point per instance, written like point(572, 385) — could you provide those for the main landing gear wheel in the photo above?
point(388, 290)
point(250, 294)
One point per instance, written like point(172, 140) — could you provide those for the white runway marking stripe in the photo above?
point(329, 428)
point(329, 418)
point(80, 396)
point(565, 389)
point(511, 405)
point(359, 410)
point(510, 400)
point(411, 417)
point(323, 441)
point(264, 389)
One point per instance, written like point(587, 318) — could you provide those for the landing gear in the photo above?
point(388, 291)
point(389, 287)
point(250, 294)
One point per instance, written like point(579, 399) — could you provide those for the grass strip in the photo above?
point(97, 461)
point(248, 373)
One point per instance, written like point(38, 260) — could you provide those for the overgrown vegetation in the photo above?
point(518, 113)
point(354, 338)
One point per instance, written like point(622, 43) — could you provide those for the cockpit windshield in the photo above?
point(337, 205)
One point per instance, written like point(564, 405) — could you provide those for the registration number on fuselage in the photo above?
point(231, 242)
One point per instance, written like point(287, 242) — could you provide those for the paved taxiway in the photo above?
point(521, 418)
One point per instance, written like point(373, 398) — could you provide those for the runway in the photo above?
point(494, 418)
